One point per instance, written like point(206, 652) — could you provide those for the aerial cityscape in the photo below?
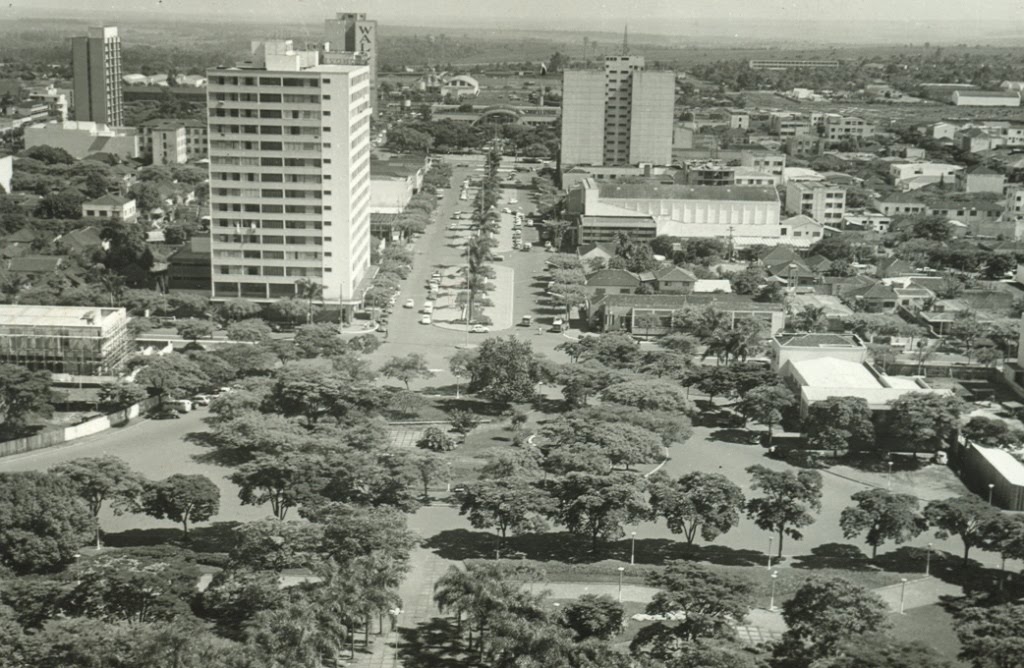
point(534, 335)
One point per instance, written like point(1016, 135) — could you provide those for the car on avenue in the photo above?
point(425, 320)
point(409, 303)
point(479, 329)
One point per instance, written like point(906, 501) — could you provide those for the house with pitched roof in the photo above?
point(674, 280)
point(877, 298)
point(83, 240)
point(110, 207)
point(612, 282)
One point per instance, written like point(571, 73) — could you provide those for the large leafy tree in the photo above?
point(235, 596)
point(119, 588)
point(512, 504)
point(353, 532)
point(884, 515)
point(273, 545)
point(407, 368)
point(787, 502)
point(963, 516)
point(712, 603)
point(839, 423)
point(22, 394)
point(649, 394)
point(597, 506)
point(990, 637)
point(924, 421)
point(592, 616)
point(43, 522)
point(280, 479)
point(883, 651)
point(181, 498)
point(826, 611)
point(171, 374)
point(319, 340)
point(100, 479)
point(504, 370)
point(708, 503)
point(765, 404)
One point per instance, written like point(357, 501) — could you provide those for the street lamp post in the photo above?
point(770, 539)
point(890, 475)
point(928, 561)
point(632, 549)
point(771, 602)
point(991, 488)
point(622, 569)
point(903, 592)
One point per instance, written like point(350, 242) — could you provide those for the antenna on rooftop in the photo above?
point(625, 41)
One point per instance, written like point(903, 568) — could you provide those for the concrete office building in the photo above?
point(168, 146)
point(622, 116)
point(96, 65)
point(354, 33)
point(822, 202)
point(79, 340)
point(289, 176)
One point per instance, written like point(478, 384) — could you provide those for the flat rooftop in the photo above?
point(56, 316)
point(675, 191)
point(818, 340)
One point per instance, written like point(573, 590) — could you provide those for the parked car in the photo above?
point(201, 399)
point(163, 413)
point(428, 308)
point(425, 320)
point(180, 405)
point(409, 303)
point(558, 325)
point(479, 329)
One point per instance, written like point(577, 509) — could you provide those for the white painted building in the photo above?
point(289, 176)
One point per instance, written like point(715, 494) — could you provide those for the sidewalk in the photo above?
point(502, 294)
point(417, 592)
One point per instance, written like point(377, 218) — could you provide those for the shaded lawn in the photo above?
point(931, 625)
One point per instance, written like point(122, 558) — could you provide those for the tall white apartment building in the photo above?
point(622, 116)
point(289, 176)
point(96, 66)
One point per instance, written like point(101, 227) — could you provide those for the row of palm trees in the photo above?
point(478, 248)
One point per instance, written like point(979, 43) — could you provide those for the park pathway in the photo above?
point(417, 593)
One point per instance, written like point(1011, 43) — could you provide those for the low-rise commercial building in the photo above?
point(678, 210)
point(83, 138)
point(837, 128)
point(652, 315)
point(83, 341)
point(788, 64)
point(393, 182)
point(986, 98)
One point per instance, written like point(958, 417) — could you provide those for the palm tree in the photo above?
point(478, 251)
point(293, 636)
point(810, 319)
point(310, 290)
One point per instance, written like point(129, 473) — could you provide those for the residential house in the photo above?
point(976, 140)
point(612, 282)
point(915, 175)
point(110, 207)
point(877, 298)
point(84, 241)
point(674, 280)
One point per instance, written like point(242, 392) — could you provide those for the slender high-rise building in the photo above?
point(96, 65)
point(621, 116)
point(353, 33)
point(289, 176)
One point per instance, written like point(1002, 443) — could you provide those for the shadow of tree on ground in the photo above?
point(433, 644)
point(218, 537)
point(462, 544)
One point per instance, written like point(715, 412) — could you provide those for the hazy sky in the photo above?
point(661, 16)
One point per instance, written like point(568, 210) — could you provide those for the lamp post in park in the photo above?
point(622, 569)
point(632, 549)
point(771, 602)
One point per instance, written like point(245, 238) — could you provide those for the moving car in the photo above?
point(479, 329)
point(201, 400)
point(428, 308)
point(558, 325)
point(409, 303)
point(425, 320)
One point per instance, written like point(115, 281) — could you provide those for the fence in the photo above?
point(54, 437)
